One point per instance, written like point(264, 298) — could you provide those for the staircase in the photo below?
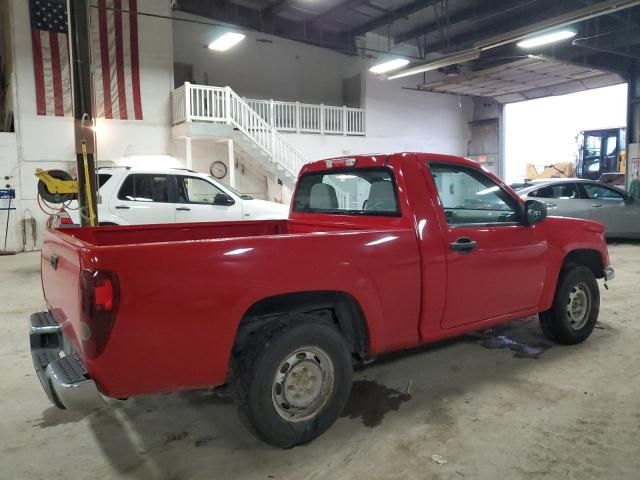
point(204, 111)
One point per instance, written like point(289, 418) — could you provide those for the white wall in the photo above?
point(204, 152)
point(48, 142)
point(398, 119)
point(278, 68)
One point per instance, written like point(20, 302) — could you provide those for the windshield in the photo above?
point(243, 196)
point(368, 191)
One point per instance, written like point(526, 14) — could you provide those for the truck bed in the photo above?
point(185, 288)
point(181, 232)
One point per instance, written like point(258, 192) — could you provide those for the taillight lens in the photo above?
point(65, 219)
point(99, 308)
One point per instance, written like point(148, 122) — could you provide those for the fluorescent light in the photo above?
point(444, 61)
point(389, 65)
point(546, 38)
point(226, 41)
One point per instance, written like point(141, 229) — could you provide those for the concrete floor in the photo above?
point(573, 412)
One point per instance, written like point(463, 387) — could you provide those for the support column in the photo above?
point(633, 127)
point(80, 41)
point(232, 164)
point(188, 157)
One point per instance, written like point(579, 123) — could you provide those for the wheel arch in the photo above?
point(336, 307)
point(590, 258)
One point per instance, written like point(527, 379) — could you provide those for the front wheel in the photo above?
point(292, 385)
point(575, 308)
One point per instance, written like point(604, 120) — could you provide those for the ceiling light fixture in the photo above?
point(389, 65)
point(444, 61)
point(226, 41)
point(546, 38)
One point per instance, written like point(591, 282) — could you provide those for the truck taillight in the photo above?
point(65, 219)
point(99, 291)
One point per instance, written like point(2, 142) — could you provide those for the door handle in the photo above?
point(596, 205)
point(551, 205)
point(463, 245)
point(183, 209)
point(122, 207)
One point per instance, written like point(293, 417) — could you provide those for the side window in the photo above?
point(144, 187)
point(103, 178)
point(596, 192)
point(562, 191)
point(469, 197)
point(196, 190)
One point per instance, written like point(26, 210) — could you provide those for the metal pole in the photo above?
point(6, 230)
point(80, 44)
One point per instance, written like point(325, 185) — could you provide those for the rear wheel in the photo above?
point(575, 308)
point(292, 385)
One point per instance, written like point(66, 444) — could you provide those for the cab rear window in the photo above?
point(348, 192)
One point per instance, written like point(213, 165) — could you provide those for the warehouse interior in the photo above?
point(233, 102)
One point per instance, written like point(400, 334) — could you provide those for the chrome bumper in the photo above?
point(609, 274)
point(60, 370)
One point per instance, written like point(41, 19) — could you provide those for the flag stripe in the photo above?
point(135, 62)
point(111, 46)
point(47, 72)
point(65, 69)
point(122, 96)
point(38, 70)
point(56, 74)
point(104, 59)
point(126, 61)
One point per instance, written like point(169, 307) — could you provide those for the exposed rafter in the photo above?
point(391, 17)
point(338, 9)
point(477, 13)
point(276, 7)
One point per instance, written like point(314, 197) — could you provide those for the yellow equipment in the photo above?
point(57, 186)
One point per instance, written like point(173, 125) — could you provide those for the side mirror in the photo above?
point(223, 199)
point(534, 212)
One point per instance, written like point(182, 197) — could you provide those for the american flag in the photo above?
point(51, 57)
point(115, 58)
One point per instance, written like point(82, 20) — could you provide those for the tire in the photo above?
point(276, 390)
point(575, 308)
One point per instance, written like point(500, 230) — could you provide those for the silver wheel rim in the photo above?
point(303, 384)
point(578, 306)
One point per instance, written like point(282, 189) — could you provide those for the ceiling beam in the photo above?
point(251, 19)
point(340, 8)
point(276, 7)
point(475, 14)
point(392, 16)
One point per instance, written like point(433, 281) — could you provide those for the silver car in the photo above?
point(572, 197)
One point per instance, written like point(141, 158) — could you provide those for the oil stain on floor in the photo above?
point(371, 401)
point(523, 338)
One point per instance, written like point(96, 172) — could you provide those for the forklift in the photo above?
point(601, 152)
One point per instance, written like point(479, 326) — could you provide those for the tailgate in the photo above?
point(60, 273)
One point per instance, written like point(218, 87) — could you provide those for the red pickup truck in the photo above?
point(380, 253)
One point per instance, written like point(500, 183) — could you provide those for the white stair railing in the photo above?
point(310, 118)
point(223, 105)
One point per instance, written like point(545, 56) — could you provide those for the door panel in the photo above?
point(195, 202)
point(495, 265)
point(144, 199)
point(608, 207)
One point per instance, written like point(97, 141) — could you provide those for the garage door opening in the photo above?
point(545, 131)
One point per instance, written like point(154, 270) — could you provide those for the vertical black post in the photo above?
point(80, 48)
point(633, 117)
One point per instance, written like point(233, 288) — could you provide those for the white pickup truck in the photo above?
point(135, 196)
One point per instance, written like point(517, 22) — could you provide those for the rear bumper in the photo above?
point(609, 274)
point(61, 371)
